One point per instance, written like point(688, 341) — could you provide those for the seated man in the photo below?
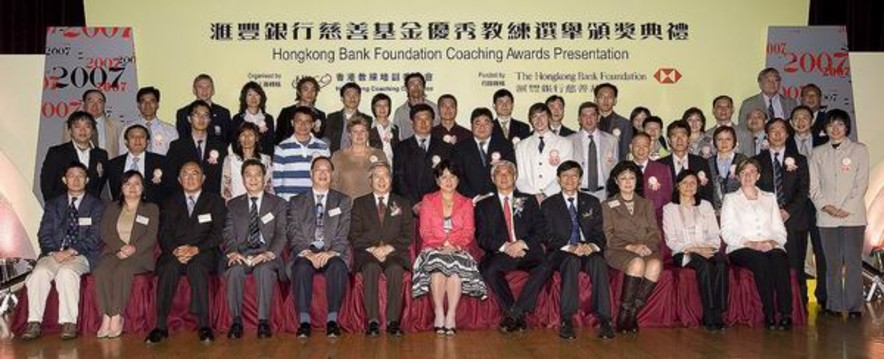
point(319, 221)
point(254, 237)
point(381, 234)
point(69, 246)
point(191, 225)
point(510, 228)
point(576, 244)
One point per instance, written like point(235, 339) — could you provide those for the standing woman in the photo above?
point(692, 232)
point(637, 117)
point(129, 231)
point(444, 266)
point(839, 177)
point(352, 163)
point(701, 143)
point(384, 134)
point(723, 165)
point(248, 136)
point(755, 234)
point(252, 109)
point(633, 241)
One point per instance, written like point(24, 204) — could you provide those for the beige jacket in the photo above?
point(840, 177)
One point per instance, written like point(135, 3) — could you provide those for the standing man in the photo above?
point(333, 130)
point(319, 221)
point(609, 121)
point(657, 180)
point(679, 160)
point(769, 99)
point(191, 227)
point(476, 155)
point(107, 129)
point(293, 156)
point(595, 150)
point(812, 98)
point(161, 134)
point(200, 147)
point(204, 90)
point(69, 247)
point(448, 129)
point(556, 105)
point(415, 157)
point(723, 110)
point(81, 126)
point(149, 164)
point(305, 96)
point(415, 84)
point(380, 232)
point(539, 155)
point(505, 125)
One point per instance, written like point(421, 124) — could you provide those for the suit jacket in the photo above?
point(796, 185)
point(622, 229)
point(818, 129)
point(58, 157)
point(143, 236)
point(615, 123)
point(284, 127)
point(661, 193)
point(528, 224)
point(375, 140)
point(155, 187)
point(268, 138)
point(458, 132)
point(432, 231)
point(757, 102)
point(184, 149)
point(302, 223)
point(220, 128)
point(730, 183)
point(792, 144)
point(335, 127)
point(202, 229)
point(697, 164)
point(272, 224)
point(558, 219)
point(367, 230)
point(112, 128)
point(53, 226)
point(413, 168)
point(564, 131)
point(516, 129)
point(475, 178)
point(608, 150)
point(840, 177)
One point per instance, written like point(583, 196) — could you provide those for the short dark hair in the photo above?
point(412, 75)
point(304, 110)
point(252, 162)
point(303, 81)
point(199, 103)
point(767, 71)
point(567, 166)
point(598, 88)
point(721, 129)
point(586, 105)
point(135, 127)
point(640, 110)
point(351, 85)
point(625, 166)
point(254, 86)
point(676, 196)
point(811, 86)
point(80, 116)
point(203, 77)
point(445, 165)
point(125, 178)
point(677, 125)
point(538, 107)
point(378, 98)
point(237, 147)
point(800, 108)
point(695, 111)
point(654, 119)
point(553, 98)
point(722, 97)
point(90, 91)
point(786, 125)
point(749, 161)
point(150, 90)
point(321, 158)
point(76, 164)
point(502, 93)
point(448, 97)
point(479, 112)
point(421, 107)
point(641, 134)
point(838, 115)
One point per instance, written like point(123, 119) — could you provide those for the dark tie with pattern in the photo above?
point(541, 145)
point(319, 233)
point(382, 209)
point(592, 166)
point(575, 226)
point(254, 230)
point(770, 109)
point(70, 234)
point(199, 149)
point(778, 179)
point(424, 144)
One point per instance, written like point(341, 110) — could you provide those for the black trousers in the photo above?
point(594, 265)
point(494, 269)
point(371, 274)
point(820, 258)
point(796, 249)
point(711, 278)
point(335, 272)
point(169, 270)
point(771, 271)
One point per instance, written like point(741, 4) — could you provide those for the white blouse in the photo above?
point(695, 226)
point(744, 220)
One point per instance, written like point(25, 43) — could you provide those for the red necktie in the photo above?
point(508, 216)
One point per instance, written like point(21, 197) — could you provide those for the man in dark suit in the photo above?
point(199, 147)
point(415, 157)
point(151, 166)
point(679, 138)
point(606, 97)
point(505, 125)
point(380, 232)
point(254, 237)
point(556, 105)
point(69, 246)
point(334, 131)
point(191, 227)
point(305, 95)
point(510, 228)
point(81, 125)
point(576, 243)
point(475, 156)
point(222, 129)
point(785, 174)
point(319, 221)
point(812, 98)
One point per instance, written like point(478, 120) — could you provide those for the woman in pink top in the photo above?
point(444, 266)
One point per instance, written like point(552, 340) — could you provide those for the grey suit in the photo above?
point(272, 226)
point(757, 102)
point(608, 156)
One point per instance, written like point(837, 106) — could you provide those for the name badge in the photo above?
point(142, 219)
point(614, 203)
point(334, 212)
point(267, 218)
point(205, 218)
point(85, 221)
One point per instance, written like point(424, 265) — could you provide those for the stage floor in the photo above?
point(824, 337)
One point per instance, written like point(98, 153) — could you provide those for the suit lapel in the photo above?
point(138, 229)
point(331, 203)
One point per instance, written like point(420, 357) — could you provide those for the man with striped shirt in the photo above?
point(292, 158)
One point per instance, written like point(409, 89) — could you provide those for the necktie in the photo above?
point(575, 226)
point(484, 153)
point(70, 235)
point(541, 145)
point(319, 233)
point(134, 166)
point(778, 179)
point(254, 231)
point(804, 149)
point(382, 209)
point(424, 144)
point(592, 166)
point(199, 149)
point(191, 202)
point(508, 216)
point(770, 110)
point(506, 129)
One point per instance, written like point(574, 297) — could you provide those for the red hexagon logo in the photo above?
point(667, 76)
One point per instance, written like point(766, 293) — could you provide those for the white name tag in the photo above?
point(85, 221)
point(205, 218)
point(614, 203)
point(334, 212)
point(142, 219)
point(267, 218)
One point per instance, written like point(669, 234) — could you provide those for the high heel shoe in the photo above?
point(439, 330)
point(450, 332)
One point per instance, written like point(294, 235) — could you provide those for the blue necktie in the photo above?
point(70, 234)
point(319, 233)
point(575, 226)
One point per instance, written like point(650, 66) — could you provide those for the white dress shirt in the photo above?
point(130, 159)
point(694, 226)
point(744, 220)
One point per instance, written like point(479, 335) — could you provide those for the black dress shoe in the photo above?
point(374, 329)
point(206, 335)
point(264, 329)
point(332, 330)
point(450, 332)
point(439, 330)
point(855, 315)
point(606, 331)
point(785, 323)
point(303, 330)
point(394, 329)
point(157, 335)
point(507, 325)
point(521, 324)
point(566, 331)
point(770, 323)
point(235, 331)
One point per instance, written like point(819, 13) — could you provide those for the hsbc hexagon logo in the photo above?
point(667, 76)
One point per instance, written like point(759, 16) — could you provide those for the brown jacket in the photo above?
point(144, 233)
point(623, 229)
